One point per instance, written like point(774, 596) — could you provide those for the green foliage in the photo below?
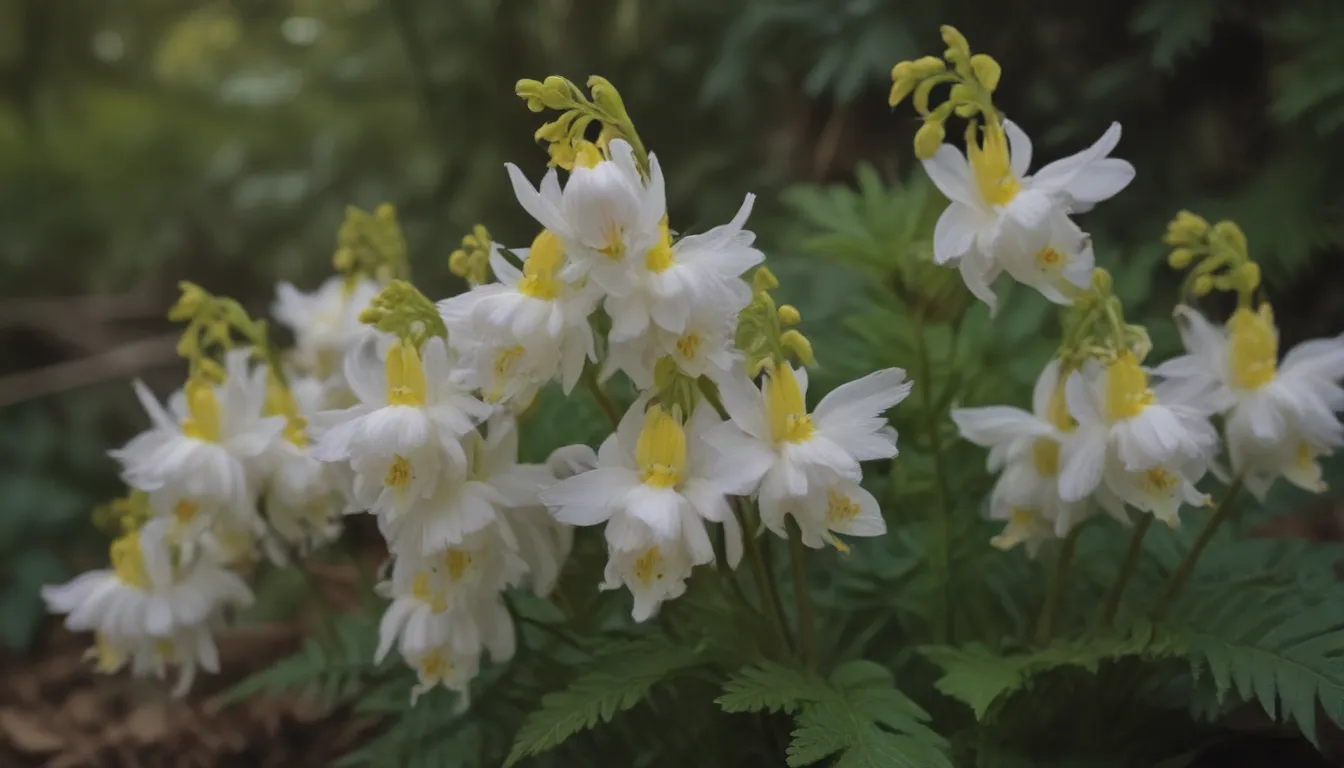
point(618, 680)
point(329, 669)
point(855, 715)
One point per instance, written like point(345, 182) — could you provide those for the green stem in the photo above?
point(604, 400)
point(1126, 570)
point(807, 641)
point(761, 574)
point(1187, 566)
point(1045, 625)
point(942, 554)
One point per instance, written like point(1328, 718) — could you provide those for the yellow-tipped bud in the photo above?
point(797, 342)
point(1181, 258)
point(789, 315)
point(928, 138)
point(1203, 285)
point(927, 66)
point(458, 263)
point(1185, 229)
point(555, 92)
point(1248, 275)
point(904, 70)
point(900, 88)
point(1228, 233)
point(343, 260)
point(192, 300)
point(385, 211)
point(606, 96)
point(987, 71)
point(763, 280)
point(562, 155)
point(956, 42)
point(1101, 281)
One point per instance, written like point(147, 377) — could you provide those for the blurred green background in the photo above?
point(144, 142)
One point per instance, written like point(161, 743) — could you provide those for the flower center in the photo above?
point(613, 239)
point(185, 511)
point(688, 345)
point(1045, 456)
point(1020, 522)
point(659, 257)
point(543, 264)
point(784, 407)
point(1254, 347)
point(661, 450)
point(399, 474)
point(1160, 481)
point(649, 566)
point(434, 665)
point(165, 651)
point(280, 402)
point(840, 508)
point(990, 164)
point(457, 562)
point(128, 562)
point(1127, 392)
point(405, 376)
point(422, 590)
point(202, 422)
point(1049, 259)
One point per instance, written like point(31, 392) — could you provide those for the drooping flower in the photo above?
point(656, 484)
point(1001, 218)
point(303, 496)
point(1280, 416)
point(325, 323)
point(782, 451)
point(150, 609)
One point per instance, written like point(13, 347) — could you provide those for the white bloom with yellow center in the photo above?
point(656, 484)
point(303, 496)
point(677, 281)
point(325, 323)
point(1280, 417)
point(781, 450)
point(1025, 449)
point(149, 609)
point(1149, 445)
point(534, 311)
point(704, 348)
point(607, 215)
point(202, 447)
point(1000, 217)
point(406, 429)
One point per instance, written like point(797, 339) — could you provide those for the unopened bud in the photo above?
point(928, 138)
point(1203, 285)
point(1181, 258)
point(797, 342)
point(763, 280)
point(956, 42)
point(789, 315)
point(987, 71)
point(900, 88)
point(1249, 275)
point(927, 67)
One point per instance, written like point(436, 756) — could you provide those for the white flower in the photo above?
point(773, 440)
point(325, 322)
point(838, 506)
point(675, 282)
point(410, 418)
point(532, 313)
point(1002, 218)
point(1280, 417)
point(148, 609)
point(303, 496)
point(1148, 445)
point(202, 451)
point(446, 608)
point(703, 348)
point(655, 485)
point(607, 215)
point(1025, 450)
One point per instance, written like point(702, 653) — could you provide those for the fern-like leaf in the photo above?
point(617, 681)
point(856, 715)
point(329, 671)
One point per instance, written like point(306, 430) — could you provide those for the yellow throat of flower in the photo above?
point(840, 509)
point(542, 268)
point(435, 666)
point(405, 375)
point(1127, 392)
point(659, 257)
point(990, 164)
point(784, 406)
point(398, 473)
point(422, 590)
point(648, 566)
point(586, 155)
point(688, 345)
point(1253, 347)
point(202, 422)
point(661, 450)
point(128, 562)
point(280, 402)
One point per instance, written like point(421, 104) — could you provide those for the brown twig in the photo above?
point(117, 362)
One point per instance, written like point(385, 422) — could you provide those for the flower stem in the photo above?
point(1187, 566)
point(1045, 625)
point(1126, 570)
point(942, 553)
point(771, 605)
point(806, 632)
point(604, 400)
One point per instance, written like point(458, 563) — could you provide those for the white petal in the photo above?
point(1019, 148)
point(998, 424)
point(954, 234)
point(950, 172)
point(1084, 456)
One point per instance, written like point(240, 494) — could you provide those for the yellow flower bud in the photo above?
point(1186, 228)
point(385, 211)
point(1181, 258)
point(904, 70)
point(1230, 234)
point(987, 71)
point(763, 280)
point(928, 138)
point(927, 66)
point(900, 88)
point(922, 92)
point(562, 155)
point(555, 92)
point(1203, 285)
point(797, 342)
point(1249, 275)
point(343, 260)
point(789, 315)
point(956, 42)
point(1101, 281)
point(457, 263)
point(606, 96)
